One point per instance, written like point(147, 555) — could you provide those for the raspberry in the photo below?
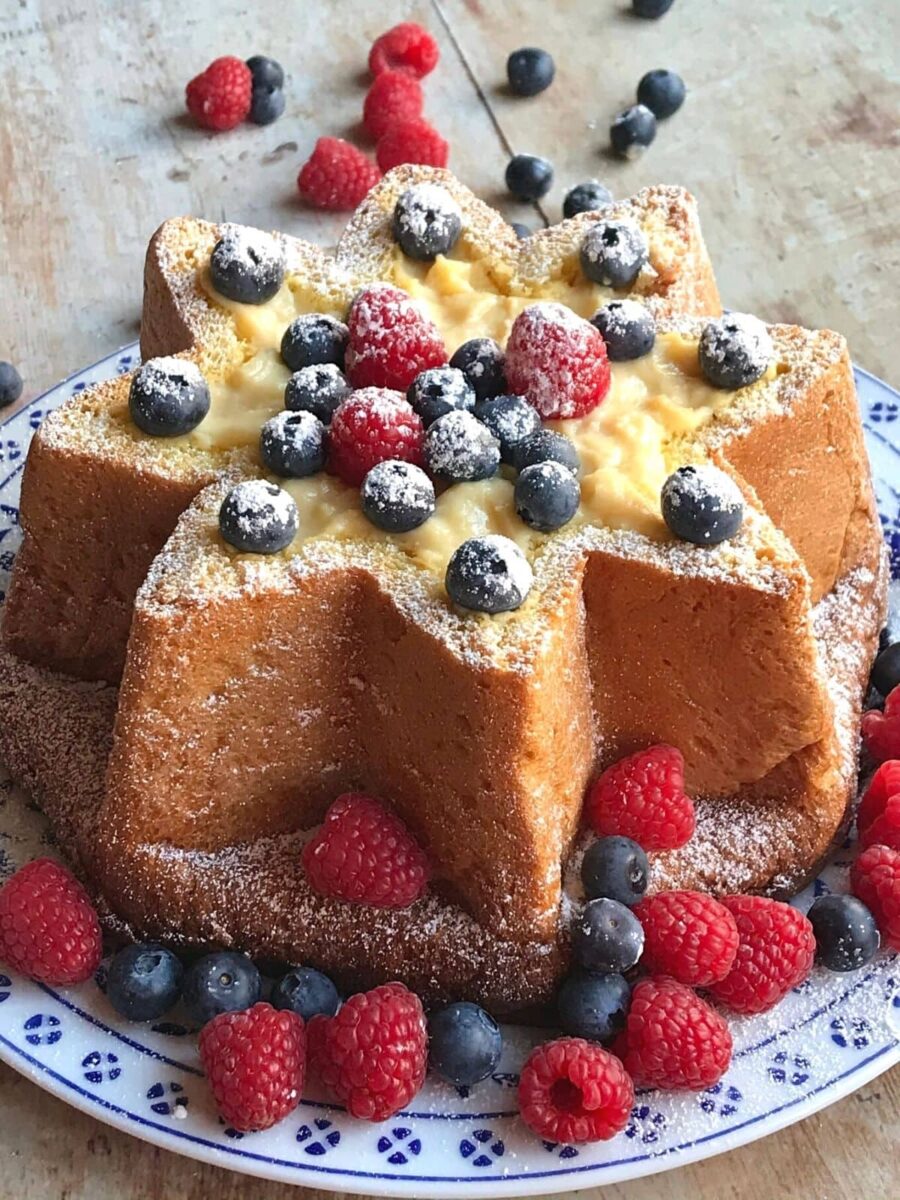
point(391, 339)
point(219, 98)
point(775, 953)
point(557, 361)
point(336, 176)
point(881, 731)
point(642, 797)
point(875, 879)
point(412, 141)
point(255, 1061)
point(673, 1039)
point(364, 854)
point(371, 426)
point(372, 1055)
point(571, 1090)
point(48, 927)
point(687, 935)
point(883, 784)
point(408, 48)
point(884, 830)
point(393, 97)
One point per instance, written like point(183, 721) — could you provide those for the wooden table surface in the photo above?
point(789, 138)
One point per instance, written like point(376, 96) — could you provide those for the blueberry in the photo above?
point(427, 221)
point(628, 328)
point(529, 177)
point(246, 265)
point(593, 1006)
point(143, 982)
point(314, 338)
point(702, 505)
point(306, 992)
point(615, 868)
point(483, 363)
point(632, 131)
point(662, 92)
point(397, 496)
point(530, 71)
point(10, 384)
point(318, 389)
point(464, 1043)
point(266, 105)
point(293, 444)
point(521, 231)
point(613, 253)
point(586, 197)
point(266, 72)
point(511, 419)
point(488, 574)
point(438, 391)
point(547, 496)
point(886, 669)
point(221, 982)
point(546, 446)
point(735, 351)
point(846, 933)
point(257, 517)
point(607, 937)
point(459, 448)
point(168, 397)
point(651, 8)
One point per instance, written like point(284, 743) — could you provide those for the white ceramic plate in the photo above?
point(829, 1037)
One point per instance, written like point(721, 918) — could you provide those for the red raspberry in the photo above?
point(336, 176)
point(255, 1062)
point(881, 731)
point(391, 339)
point(884, 784)
point(372, 1055)
point(362, 853)
point(673, 1039)
point(408, 48)
point(687, 935)
point(219, 98)
point(369, 427)
point(48, 927)
point(571, 1090)
point(643, 797)
point(875, 879)
point(557, 361)
point(393, 97)
point(885, 829)
point(775, 953)
point(412, 141)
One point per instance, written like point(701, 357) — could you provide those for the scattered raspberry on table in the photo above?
point(406, 47)
point(392, 98)
point(336, 176)
point(219, 98)
point(412, 141)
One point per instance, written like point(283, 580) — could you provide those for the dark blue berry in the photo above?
point(314, 338)
point(702, 505)
point(464, 1043)
point(651, 8)
point(168, 397)
point(662, 92)
point(488, 574)
point(306, 992)
point(511, 419)
point(607, 937)
point(10, 384)
point(628, 328)
point(846, 933)
point(735, 351)
point(397, 496)
point(318, 389)
point(266, 104)
point(482, 362)
point(886, 669)
point(613, 253)
point(547, 496)
point(521, 231)
point(546, 446)
point(438, 391)
point(143, 982)
point(460, 449)
point(222, 982)
point(266, 72)
point(293, 444)
point(257, 517)
point(593, 1006)
point(529, 177)
point(586, 197)
point(632, 131)
point(427, 221)
point(615, 868)
point(529, 71)
point(246, 265)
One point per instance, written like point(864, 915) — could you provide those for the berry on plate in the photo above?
point(885, 670)
point(661, 91)
point(701, 504)
point(632, 131)
point(846, 932)
point(406, 47)
point(464, 1043)
point(881, 730)
point(875, 879)
point(557, 361)
point(735, 350)
point(642, 797)
point(884, 829)
point(615, 867)
point(884, 784)
point(397, 496)
point(586, 197)
point(219, 98)
point(687, 935)
point(394, 96)
point(257, 517)
point(593, 1006)
point(143, 981)
point(607, 937)
point(372, 426)
point(391, 339)
point(488, 574)
point(221, 982)
point(574, 1091)
point(482, 361)
point(412, 141)
point(547, 496)
point(246, 265)
point(614, 252)
point(48, 927)
point(673, 1040)
point(336, 176)
point(775, 952)
point(427, 221)
point(528, 176)
point(168, 397)
point(306, 992)
point(529, 71)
